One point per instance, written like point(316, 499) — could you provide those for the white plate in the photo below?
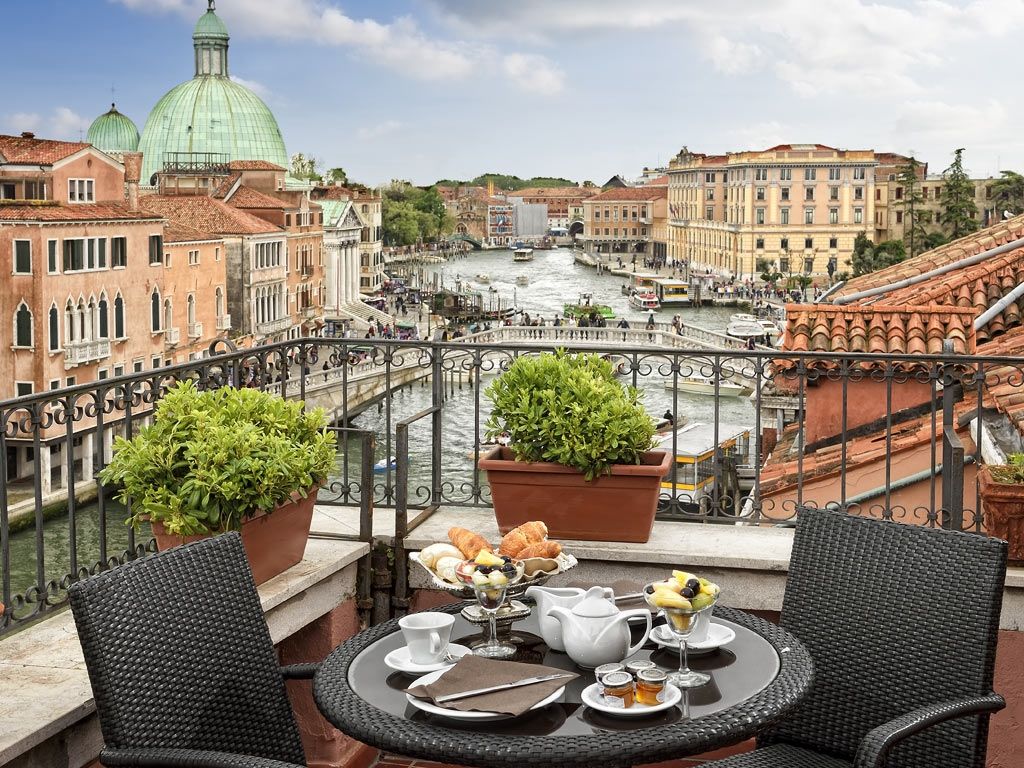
point(399, 660)
point(718, 635)
point(456, 714)
point(594, 698)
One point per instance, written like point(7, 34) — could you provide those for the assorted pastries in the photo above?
point(525, 542)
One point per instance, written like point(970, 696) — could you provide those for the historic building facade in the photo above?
point(623, 220)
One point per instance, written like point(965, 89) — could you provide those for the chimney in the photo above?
point(132, 171)
point(27, 135)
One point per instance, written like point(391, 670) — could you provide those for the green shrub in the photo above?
point(570, 410)
point(212, 458)
point(1012, 472)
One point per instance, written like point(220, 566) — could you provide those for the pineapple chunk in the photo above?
point(486, 558)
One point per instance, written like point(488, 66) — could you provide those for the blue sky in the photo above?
point(424, 89)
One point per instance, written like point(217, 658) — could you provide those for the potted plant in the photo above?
point(1002, 498)
point(579, 456)
point(226, 460)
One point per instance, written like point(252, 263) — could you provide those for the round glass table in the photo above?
point(755, 680)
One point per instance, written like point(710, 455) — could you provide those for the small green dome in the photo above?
point(211, 114)
point(210, 25)
point(113, 132)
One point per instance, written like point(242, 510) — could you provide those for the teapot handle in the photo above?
point(647, 617)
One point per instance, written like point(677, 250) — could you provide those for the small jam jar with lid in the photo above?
point(618, 689)
point(650, 687)
point(635, 667)
point(607, 669)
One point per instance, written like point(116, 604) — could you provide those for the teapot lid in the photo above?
point(595, 605)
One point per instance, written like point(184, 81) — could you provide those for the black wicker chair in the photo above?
point(901, 622)
point(181, 662)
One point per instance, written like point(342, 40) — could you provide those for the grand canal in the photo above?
point(554, 279)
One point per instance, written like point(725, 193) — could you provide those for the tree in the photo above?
point(959, 213)
point(1008, 193)
point(336, 176)
point(305, 168)
point(935, 239)
point(868, 257)
point(400, 223)
point(769, 274)
point(912, 205)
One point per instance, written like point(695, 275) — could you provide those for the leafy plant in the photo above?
point(1012, 472)
point(570, 410)
point(213, 458)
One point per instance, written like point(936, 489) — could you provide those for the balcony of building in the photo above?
point(223, 322)
point(172, 337)
point(892, 449)
point(81, 352)
point(195, 330)
point(270, 327)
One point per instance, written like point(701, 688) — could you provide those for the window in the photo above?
point(899, 193)
point(833, 193)
point(858, 174)
point(784, 264)
point(833, 174)
point(938, 192)
point(833, 215)
point(784, 246)
point(103, 373)
point(808, 193)
point(23, 326)
point(808, 243)
point(191, 309)
point(784, 216)
point(74, 255)
point(786, 174)
point(193, 258)
point(137, 366)
point(156, 249)
point(808, 265)
point(81, 191)
point(156, 361)
point(53, 328)
point(70, 381)
point(709, 194)
point(167, 259)
point(878, 194)
point(51, 256)
point(810, 174)
point(759, 194)
point(858, 215)
point(287, 219)
point(709, 178)
point(759, 244)
point(833, 242)
point(22, 257)
point(154, 311)
point(899, 217)
point(168, 315)
point(118, 371)
point(760, 174)
point(8, 191)
point(216, 253)
point(103, 319)
point(709, 213)
point(54, 383)
point(23, 388)
point(784, 191)
point(858, 193)
point(118, 317)
point(759, 215)
point(118, 252)
point(808, 215)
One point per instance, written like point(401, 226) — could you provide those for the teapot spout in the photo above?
point(560, 614)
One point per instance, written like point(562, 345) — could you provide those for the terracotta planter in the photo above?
point(273, 542)
point(615, 507)
point(1003, 505)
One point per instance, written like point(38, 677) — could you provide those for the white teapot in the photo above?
point(550, 597)
point(595, 632)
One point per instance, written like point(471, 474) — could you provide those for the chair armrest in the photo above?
point(160, 757)
point(876, 744)
point(299, 671)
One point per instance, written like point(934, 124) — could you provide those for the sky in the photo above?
point(584, 89)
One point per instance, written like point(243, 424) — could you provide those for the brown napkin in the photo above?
point(471, 672)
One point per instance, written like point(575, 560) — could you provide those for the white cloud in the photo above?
point(258, 88)
point(63, 124)
point(533, 73)
point(765, 134)
point(20, 122)
point(371, 132)
point(730, 56)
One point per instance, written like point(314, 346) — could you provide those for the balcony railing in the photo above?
point(80, 352)
point(223, 322)
point(172, 336)
point(307, 270)
point(195, 330)
point(882, 435)
point(271, 327)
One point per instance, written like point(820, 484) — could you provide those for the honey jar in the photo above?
point(650, 687)
point(618, 689)
point(607, 669)
point(635, 667)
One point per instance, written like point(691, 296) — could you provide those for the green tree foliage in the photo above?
point(912, 203)
point(934, 240)
point(336, 176)
point(412, 214)
point(769, 273)
point(1008, 193)
point(306, 168)
point(507, 182)
point(959, 213)
point(868, 257)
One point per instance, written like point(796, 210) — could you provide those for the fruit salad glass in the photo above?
point(490, 581)
point(681, 616)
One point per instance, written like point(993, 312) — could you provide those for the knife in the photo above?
point(502, 687)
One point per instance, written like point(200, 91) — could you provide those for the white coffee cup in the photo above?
point(427, 635)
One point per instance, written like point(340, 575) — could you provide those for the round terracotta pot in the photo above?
point(616, 507)
point(273, 542)
point(1003, 505)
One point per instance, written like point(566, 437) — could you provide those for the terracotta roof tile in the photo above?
point(254, 165)
point(28, 149)
point(83, 212)
point(207, 215)
point(247, 197)
point(647, 193)
point(180, 232)
point(225, 186)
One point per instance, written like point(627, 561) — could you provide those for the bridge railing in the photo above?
point(864, 414)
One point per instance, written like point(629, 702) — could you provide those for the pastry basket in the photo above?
point(537, 571)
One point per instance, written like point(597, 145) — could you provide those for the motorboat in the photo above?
point(385, 464)
point(644, 301)
point(705, 385)
point(585, 306)
point(523, 280)
point(524, 253)
point(743, 326)
point(482, 278)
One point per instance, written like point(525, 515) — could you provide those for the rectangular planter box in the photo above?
point(1003, 505)
point(616, 507)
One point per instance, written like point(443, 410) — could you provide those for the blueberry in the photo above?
point(506, 558)
point(694, 585)
point(688, 593)
point(484, 569)
point(508, 569)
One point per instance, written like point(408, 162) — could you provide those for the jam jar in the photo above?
point(635, 667)
point(607, 669)
point(650, 687)
point(618, 689)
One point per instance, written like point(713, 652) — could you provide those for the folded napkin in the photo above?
point(472, 672)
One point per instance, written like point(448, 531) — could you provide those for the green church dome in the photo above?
point(113, 133)
point(211, 116)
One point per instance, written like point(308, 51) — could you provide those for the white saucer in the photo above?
point(475, 715)
point(399, 660)
point(594, 699)
point(718, 635)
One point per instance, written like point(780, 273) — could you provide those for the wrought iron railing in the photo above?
point(883, 435)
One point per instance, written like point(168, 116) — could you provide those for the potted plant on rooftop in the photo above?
point(224, 460)
point(579, 456)
point(1002, 498)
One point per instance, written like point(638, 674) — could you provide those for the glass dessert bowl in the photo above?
point(490, 576)
point(686, 601)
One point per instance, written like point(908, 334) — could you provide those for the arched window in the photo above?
point(219, 301)
point(80, 321)
point(23, 326)
point(118, 317)
point(154, 304)
point(103, 319)
point(69, 323)
point(191, 309)
point(168, 316)
point(92, 319)
point(54, 328)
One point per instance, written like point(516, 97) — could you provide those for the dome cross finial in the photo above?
point(212, 5)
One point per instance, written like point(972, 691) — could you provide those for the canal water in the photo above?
point(554, 279)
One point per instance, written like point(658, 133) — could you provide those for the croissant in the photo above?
point(518, 538)
point(534, 531)
point(468, 543)
point(548, 549)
